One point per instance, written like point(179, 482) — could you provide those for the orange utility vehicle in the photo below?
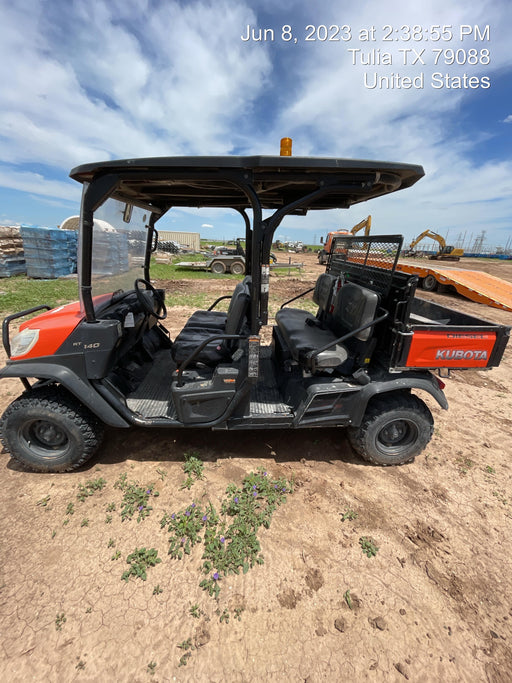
point(358, 363)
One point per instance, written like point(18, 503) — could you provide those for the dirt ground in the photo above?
point(433, 604)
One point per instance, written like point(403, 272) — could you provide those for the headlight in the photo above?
point(23, 342)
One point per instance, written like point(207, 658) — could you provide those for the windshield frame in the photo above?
point(94, 196)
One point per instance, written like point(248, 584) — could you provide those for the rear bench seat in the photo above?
point(354, 307)
point(323, 295)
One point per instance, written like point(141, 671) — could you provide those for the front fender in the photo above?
point(69, 379)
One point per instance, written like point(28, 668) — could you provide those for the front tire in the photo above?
point(429, 283)
point(48, 430)
point(394, 430)
point(218, 267)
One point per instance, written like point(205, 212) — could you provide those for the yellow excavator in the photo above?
point(323, 254)
point(446, 252)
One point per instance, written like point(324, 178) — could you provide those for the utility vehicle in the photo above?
point(109, 360)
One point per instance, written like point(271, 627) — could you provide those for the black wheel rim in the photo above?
point(396, 437)
point(44, 438)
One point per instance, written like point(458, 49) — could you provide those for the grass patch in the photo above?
point(18, 293)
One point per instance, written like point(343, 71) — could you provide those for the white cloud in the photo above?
point(37, 184)
point(207, 225)
point(125, 78)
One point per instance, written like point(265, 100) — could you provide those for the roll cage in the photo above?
point(282, 185)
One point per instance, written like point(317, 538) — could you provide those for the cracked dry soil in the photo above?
point(433, 604)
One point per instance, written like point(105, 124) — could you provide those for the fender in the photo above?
point(407, 380)
point(81, 389)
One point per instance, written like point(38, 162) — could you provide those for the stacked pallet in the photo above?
point(49, 252)
point(110, 252)
point(12, 260)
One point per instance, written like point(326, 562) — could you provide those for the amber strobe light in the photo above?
point(286, 147)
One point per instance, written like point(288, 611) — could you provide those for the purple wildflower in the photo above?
point(264, 474)
point(254, 487)
point(173, 516)
point(148, 492)
point(205, 518)
point(236, 499)
point(187, 513)
point(255, 493)
point(222, 539)
point(216, 576)
point(284, 489)
point(275, 486)
point(193, 505)
point(141, 507)
point(182, 540)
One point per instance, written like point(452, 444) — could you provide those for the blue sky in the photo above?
point(90, 81)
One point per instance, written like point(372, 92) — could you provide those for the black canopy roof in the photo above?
point(278, 181)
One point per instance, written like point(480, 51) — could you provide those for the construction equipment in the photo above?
point(358, 363)
point(445, 253)
point(324, 253)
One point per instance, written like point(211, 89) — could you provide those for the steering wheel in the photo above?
point(144, 301)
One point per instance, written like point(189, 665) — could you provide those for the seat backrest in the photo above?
point(354, 307)
point(324, 290)
point(238, 307)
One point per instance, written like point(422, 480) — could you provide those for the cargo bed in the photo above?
point(437, 337)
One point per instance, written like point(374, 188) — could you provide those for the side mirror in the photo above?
point(127, 213)
point(154, 246)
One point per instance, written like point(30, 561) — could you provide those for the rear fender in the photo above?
point(81, 389)
point(405, 382)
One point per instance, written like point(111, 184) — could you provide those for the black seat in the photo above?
point(212, 319)
point(354, 307)
point(323, 295)
point(217, 350)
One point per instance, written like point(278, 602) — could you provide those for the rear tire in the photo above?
point(395, 429)
point(48, 430)
point(238, 268)
point(218, 267)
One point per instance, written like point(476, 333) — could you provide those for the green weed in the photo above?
point(230, 543)
point(347, 598)
point(43, 503)
point(84, 522)
point(90, 488)
point(465, 464)
point(194, 611)
point(193, 468)
point(151, 668)
point(140, 560)
point(368, 546)
point(348, 514)
point(70, 510)
point(135, 498)
point(60, 619)
point(157, 590)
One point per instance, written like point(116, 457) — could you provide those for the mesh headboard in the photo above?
point(367, 261)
